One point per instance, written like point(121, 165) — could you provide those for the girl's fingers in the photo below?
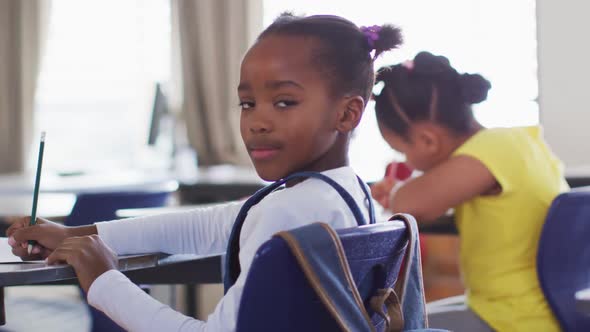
point(59, 255)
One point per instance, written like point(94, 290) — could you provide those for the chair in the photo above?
point(102, 206)
point(93, 207)
point(277, 296)
point(563, 259)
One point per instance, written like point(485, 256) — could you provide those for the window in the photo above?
point(494, 38)
point(98, 74)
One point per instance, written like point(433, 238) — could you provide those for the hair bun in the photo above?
point(474, 88)
point(427, 63)
point(389, 37)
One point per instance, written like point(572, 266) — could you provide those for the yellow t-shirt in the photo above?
point(500, 234)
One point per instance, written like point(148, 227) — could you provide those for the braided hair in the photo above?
point(428, 89)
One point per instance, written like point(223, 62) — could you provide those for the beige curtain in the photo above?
point(211, 37)
point(23, 26)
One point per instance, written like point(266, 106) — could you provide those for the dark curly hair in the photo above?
point(428, 89)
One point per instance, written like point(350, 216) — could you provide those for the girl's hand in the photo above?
point(381, 190)
point(49, 235)
point(88, 255)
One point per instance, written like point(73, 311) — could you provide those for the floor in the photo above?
point(45, 308)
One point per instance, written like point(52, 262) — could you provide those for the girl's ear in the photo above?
point(350, 113)
point(429, 140)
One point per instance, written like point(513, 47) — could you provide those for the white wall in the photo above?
point(564, 77)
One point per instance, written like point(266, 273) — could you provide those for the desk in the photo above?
point(444, 225)
point(578, 176)
point(49, 205)
point(207, 185)
point(144, 269)
point(219, 184)
point(88, 183)
point(583, 301)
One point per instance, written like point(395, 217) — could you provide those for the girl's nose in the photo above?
point(259, 124)
point(259, 128)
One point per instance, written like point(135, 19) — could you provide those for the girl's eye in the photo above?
point(285, 103)
point(245, 105)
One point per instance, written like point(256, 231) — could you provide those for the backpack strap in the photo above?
point(405, 303)
point(232, 268)
point(318, 251)
point(392, 314)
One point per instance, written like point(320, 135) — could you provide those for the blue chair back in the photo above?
point(563, 260)
point(93, 207)
point(277, 296)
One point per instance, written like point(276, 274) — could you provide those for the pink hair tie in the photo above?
point(408, 64)
point(372, 34)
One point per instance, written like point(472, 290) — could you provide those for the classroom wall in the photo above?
point(564, 78)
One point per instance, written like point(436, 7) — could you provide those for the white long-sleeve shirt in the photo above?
point(207, 231)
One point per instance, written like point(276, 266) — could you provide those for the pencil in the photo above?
point(33, 220)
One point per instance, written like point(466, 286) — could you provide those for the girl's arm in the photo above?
point(451, 183)
point(134, 310)
point(199, 231)
point(113, 293)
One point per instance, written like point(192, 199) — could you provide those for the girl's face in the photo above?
point(288, 116)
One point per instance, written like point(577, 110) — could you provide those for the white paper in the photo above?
point(6, 255)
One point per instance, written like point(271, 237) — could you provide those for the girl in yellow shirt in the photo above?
point(500, 182)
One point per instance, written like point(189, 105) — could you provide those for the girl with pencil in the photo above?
point(303, 89)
